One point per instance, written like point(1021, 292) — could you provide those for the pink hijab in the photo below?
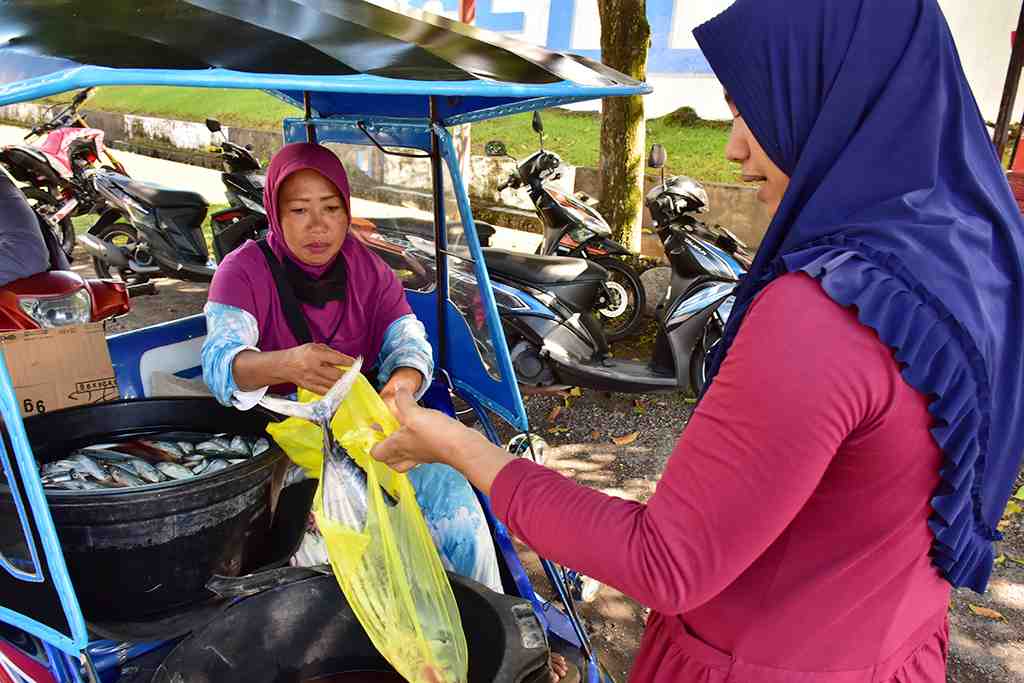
point(374, 297)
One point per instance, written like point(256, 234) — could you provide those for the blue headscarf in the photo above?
point(898, 205)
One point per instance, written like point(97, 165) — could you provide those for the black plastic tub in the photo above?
point(136, 553)
point(305, 630)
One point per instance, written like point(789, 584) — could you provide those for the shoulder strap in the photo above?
point(289, 303)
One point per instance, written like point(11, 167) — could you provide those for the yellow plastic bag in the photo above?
point(390, 573)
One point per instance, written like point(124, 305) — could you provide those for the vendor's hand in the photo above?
point(405, 379)
point(315, 366)
point(427, 436)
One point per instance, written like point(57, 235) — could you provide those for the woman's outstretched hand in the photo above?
point(315, 366)
point(427, 436)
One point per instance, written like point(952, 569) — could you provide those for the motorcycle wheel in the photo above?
point(126, 237)
point(45, 203)
point(699, 360)
point(621, 317)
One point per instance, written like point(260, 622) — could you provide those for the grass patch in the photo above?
point(696, 150)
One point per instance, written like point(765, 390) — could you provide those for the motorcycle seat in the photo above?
point(543, 270)
point(157, 195)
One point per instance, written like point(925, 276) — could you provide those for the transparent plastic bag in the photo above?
point(390, 570)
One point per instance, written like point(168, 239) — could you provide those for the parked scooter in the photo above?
point(573, 228)
point(556, 342)
point(243, 179)
point(58, 296)
point(147, 230)
point(52, 169)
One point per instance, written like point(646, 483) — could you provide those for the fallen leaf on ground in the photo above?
point(1020, 493)
point(1002, 525)
point(575, 391)
point(558, 430)
point(1012, 508)
point(625, 439)
point(1015, 560)
point(986, 612)
point(999, 560)
point(553, 415)
point(595, 434)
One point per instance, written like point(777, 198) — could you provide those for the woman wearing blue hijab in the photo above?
point(853, 454)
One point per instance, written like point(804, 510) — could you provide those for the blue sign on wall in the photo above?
point(661, 59)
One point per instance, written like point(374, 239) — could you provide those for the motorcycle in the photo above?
point(573, 228)
point(243, 178)
point(58, 296)
point(52, 169)
point(147, 230)
point(547, 303)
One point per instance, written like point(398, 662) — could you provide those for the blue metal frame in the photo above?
point(47, 533)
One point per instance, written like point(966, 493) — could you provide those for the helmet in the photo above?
point(679, 195)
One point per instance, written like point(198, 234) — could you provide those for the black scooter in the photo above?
point(574, 228)
point(243, 178)
point(556, 342)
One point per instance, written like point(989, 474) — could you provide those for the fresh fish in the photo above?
point(60, 477)
point(56, 467)
point(187, 447)
point(218, 446)
point(174, 470)
point(235, 461)
point(200, 466)
point(260, 446)
point(148, 451)
point(193, 460)
point(167, 446)
point(146, 471)
point(105, 454)
point(239, 446)
point(215, 466)
point(344, 488)
point(122, 476)
point(89, 467)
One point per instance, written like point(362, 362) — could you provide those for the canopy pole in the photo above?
point(1010, 89)
point(310, 127)
point(440, 237)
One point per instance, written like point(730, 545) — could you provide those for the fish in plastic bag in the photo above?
point(379, 545)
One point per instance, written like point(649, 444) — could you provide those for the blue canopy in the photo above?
point(332, 49)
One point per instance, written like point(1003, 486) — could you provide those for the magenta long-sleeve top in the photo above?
point(787, 539)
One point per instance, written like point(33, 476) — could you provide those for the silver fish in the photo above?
point(122, 476)
point(89, 467)
point(105, 454)
point(240, 446)
point(174, 470)
point(146, 471)
point(187, 447)
point(216, 446)
point(56, 467)
point(193, 460)
point(343, 486)
point(200, 466)
point(260, 446)
point(75, 485)
point(235, 461)
point(216, 466)
point(167, 446)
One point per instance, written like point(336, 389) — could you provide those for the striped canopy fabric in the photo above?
point(353, 57)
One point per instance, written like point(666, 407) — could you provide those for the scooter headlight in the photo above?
point(58, 311)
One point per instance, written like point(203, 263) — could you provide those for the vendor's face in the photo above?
point(313, 217)
point(755, 167)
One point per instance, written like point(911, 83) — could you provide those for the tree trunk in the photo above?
point(625, 38)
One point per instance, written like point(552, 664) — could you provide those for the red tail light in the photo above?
point(108, 299)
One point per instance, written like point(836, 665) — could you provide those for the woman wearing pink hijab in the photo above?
point(285, 312)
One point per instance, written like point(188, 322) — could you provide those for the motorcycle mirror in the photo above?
point(495, 148)
point(657, 157)
point(213, 125)
point(83, 95)
point(248, 148)
point(538, 127)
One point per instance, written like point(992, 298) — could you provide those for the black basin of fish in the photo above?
point(133, 553)
point(305, 631)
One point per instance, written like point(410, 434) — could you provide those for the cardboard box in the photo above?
point(59, 368)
